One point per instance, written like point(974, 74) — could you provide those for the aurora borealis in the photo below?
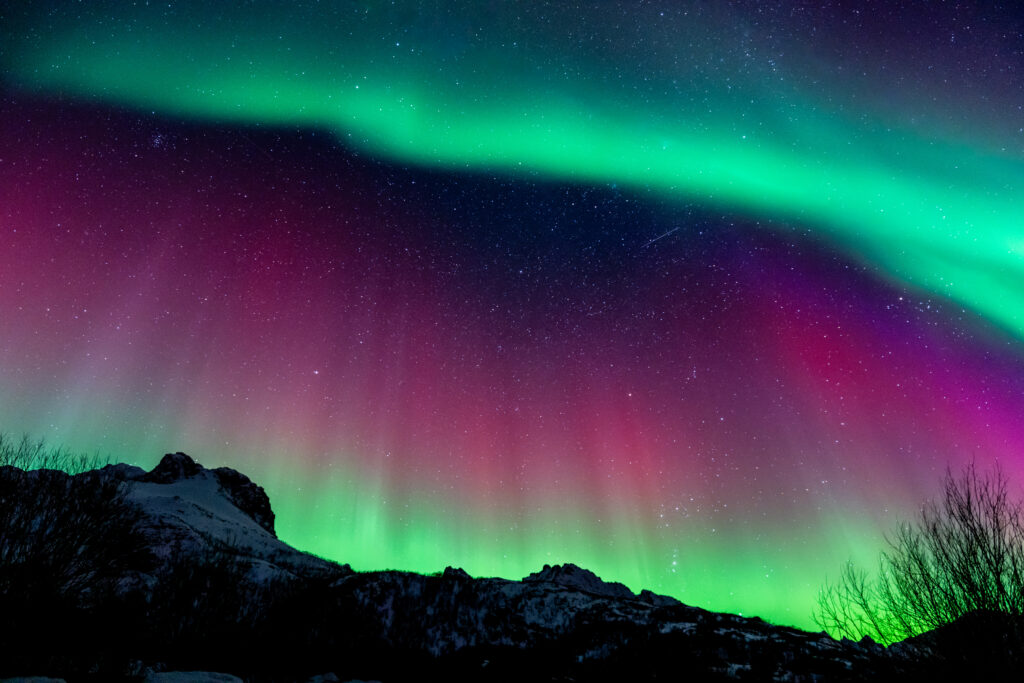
point(702, 300)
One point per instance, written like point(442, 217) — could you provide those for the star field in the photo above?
point(701, 299)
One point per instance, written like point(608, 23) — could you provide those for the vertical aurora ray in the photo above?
point(590, 322)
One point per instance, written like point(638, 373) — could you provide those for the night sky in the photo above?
point(703, 297)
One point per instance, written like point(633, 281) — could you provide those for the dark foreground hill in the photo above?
point(119, 574)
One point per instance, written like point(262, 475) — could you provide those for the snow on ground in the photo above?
point(191, 677)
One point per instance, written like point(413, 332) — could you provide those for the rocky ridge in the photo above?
point(560, 623)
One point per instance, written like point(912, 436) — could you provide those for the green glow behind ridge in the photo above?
point(770, 568)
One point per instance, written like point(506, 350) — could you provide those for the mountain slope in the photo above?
point(211, 587)
point(190, 510)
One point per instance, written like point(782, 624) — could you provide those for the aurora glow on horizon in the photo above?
point(702, 300)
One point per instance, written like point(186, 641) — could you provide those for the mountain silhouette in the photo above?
point(187, 575)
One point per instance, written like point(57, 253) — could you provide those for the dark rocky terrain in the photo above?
point(120, 574)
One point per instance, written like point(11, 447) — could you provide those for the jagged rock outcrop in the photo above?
point(247, 496)
point(456, 574)
point(173, 467)
point(581, 579)
point(653, 598)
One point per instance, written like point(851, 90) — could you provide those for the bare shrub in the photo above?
point(28, 454)
point(65, 544)
point(963, 555)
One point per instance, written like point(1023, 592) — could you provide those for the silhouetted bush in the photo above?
point(65, 544)
point(26, 454)
point(963, 556)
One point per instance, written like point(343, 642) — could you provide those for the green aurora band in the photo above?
point(462, 91)
point(940, 215)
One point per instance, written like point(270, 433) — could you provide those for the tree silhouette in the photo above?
point(65, 544)
point(26, 454)
point(964, 555)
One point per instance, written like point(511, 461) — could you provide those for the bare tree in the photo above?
point(62, 534)
point(66, 544)
point(26, 454)
point(964, 555)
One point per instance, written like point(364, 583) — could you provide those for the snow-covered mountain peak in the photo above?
point(227, 485)
point(192, 510)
